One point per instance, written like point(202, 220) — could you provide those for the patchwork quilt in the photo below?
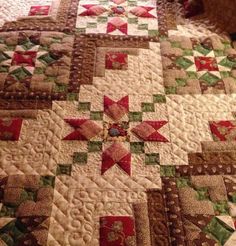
point(117, 126)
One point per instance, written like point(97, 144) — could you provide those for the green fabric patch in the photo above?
point(137, 147)
point(4, 69)
point(175, 44)
point(60, 88)
point(94, 146)
point(188, 52)
point(158, 98)
point(202, 50)
point(219, 53)
point(102, 19)
point(84, 106)
point(91, 25)
point(183, 182)
point(4, 57)
point(202, 193)
point(80, 157)
point(47, 59)
point(8, 211)
point(167, 171)
point(181, 82)
point(81, 30)
point(72, 96)
point(225, 74)
point(47, 181)
point(184, 62)
point(64, 169)
point(153, 33)
point(39, 70)
point(221, 208)
point(20, 73)
point(96, 115)
point(210, 79)
point(152, 159)
point(133, 20)
point(232, 197)
point(148, 107)
point(135, 116)
point(171, 89)
point(142, 26)
point(192, 75)
point(227, 63)
point(218, 230)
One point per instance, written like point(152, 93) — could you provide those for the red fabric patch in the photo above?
point(24, 58)
point(142, 11)
point(10, 129)
point(39, 10)
point(84, 129)
point(92, 10)
point(147, 131)
point(116, 154)
point(116, 110)
point(116, 60)
point(117, 231)
point(223, 130)
point(206, 63)
point(117, 23)
point(119, 10)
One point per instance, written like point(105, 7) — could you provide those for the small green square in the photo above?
point(137, 147)
point(142, 26)
point(152, 159)
point(102, 19)
point(4, 69)
point(158, 98)
point(133, 20)
point(7, 211)
point(148, 107)
point(192, 75)
point(153, 33)
point(135, 116)
point(47, 180)
point(171, 89)
point(175, 44)
point(72, 97)
point(81, 30)
point(225, 74)
point(80, 157)
point(91, 25)
point(84, 106)
point(202, 193)
point(39, 70)
point(64, 169)
point(96, 115)
point(94, 146)
point(221, 208)
point(187, 52)
point(181, 82)
point(219, 53)
point(182, 182)
point(60, 88)
point(167, 171)
point(232, 197)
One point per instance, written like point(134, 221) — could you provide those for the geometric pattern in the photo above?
point(10, 129)
point(198, 66)
point(39, 10)
point(120, 17)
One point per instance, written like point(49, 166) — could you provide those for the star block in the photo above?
point(84, 129)
point(10, 129)
point(147, 131)
point(116, 110)
point(116, 154)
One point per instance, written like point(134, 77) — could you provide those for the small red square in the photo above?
point(206, 63)
point(117, 231)
point(116, 60)
point(39, 10)
point(24, 58)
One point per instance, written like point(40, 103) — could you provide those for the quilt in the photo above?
point(117, 126)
